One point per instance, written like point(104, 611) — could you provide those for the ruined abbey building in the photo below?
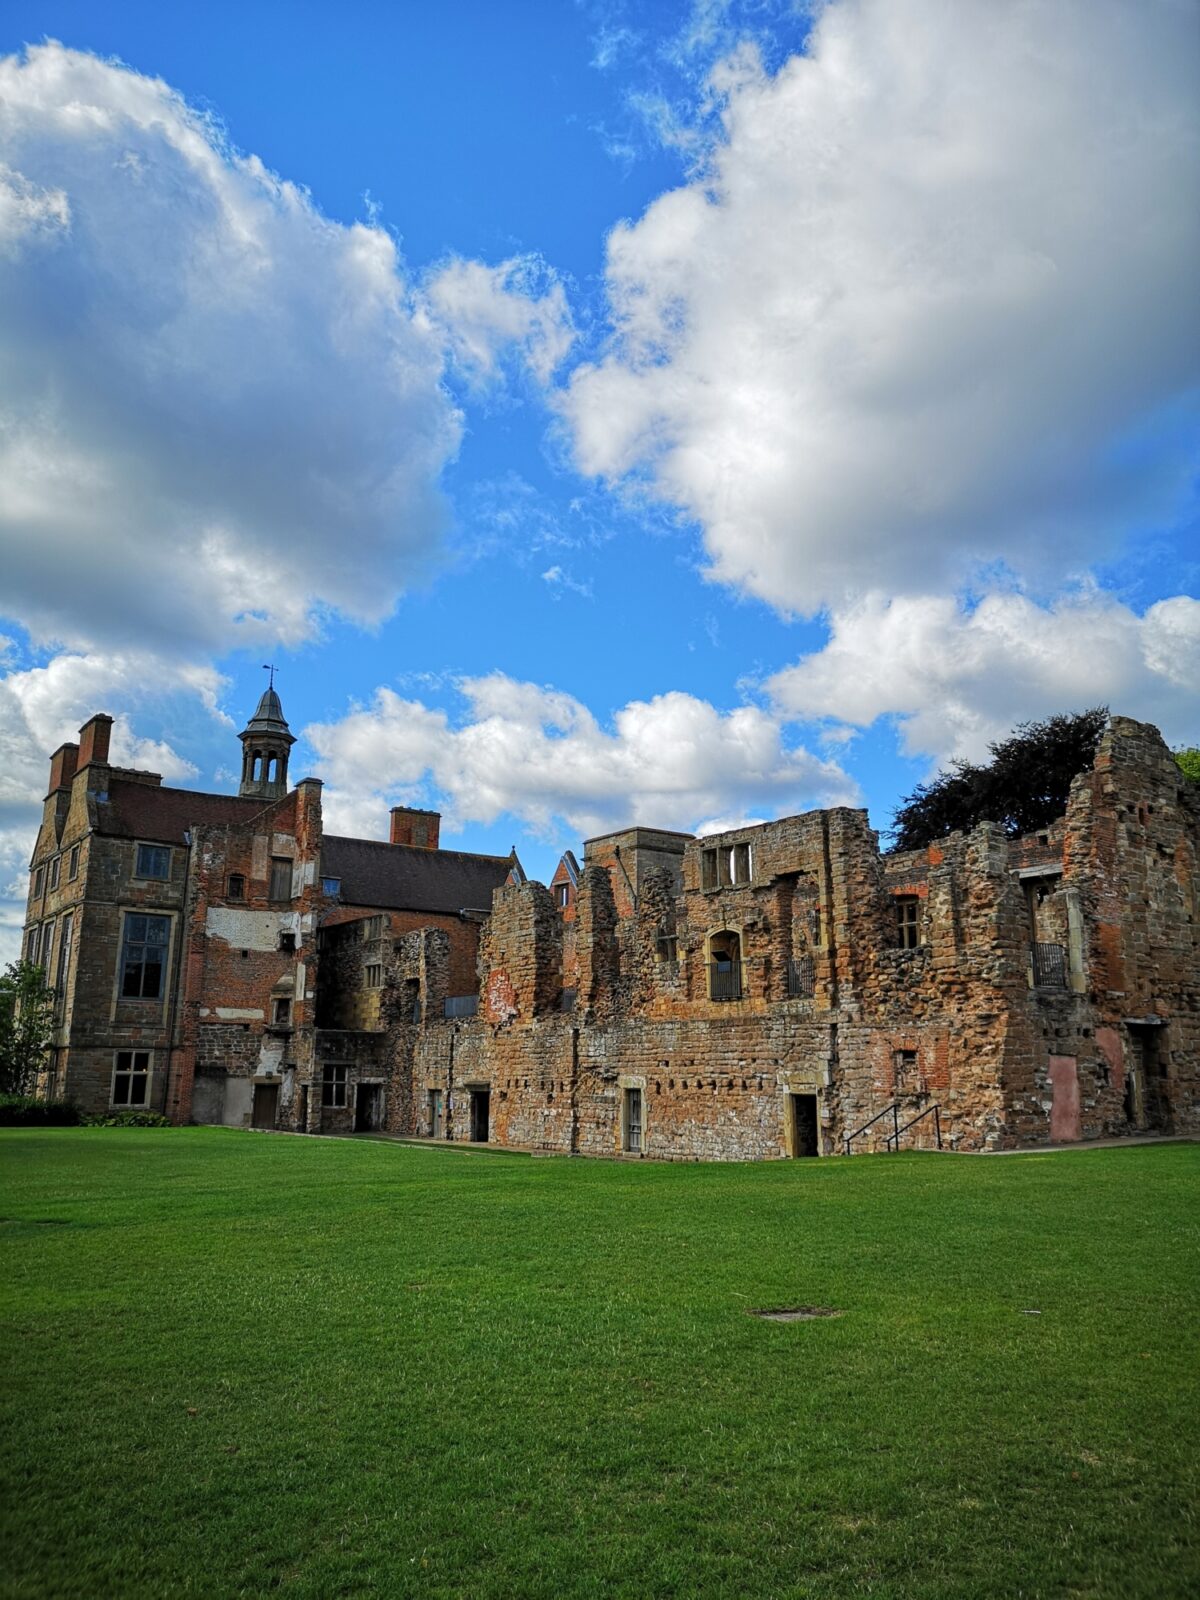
point(779, 990)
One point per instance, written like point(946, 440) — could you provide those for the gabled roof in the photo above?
point(146, 811)
point(402, 877)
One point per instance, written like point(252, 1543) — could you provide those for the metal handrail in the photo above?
point(893, 1139)
point(893, 1109)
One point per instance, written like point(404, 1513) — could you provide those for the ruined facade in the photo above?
point(778, 990)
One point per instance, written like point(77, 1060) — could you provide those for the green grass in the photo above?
point(245, 1364)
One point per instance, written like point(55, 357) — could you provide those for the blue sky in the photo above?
point(681, 414)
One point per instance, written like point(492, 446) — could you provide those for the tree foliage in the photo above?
point(1023, 787)
point(26, 1025)
point(1188, 762)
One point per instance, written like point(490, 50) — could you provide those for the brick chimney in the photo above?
point(93, 740)
point(62, 766)
point(418, 828)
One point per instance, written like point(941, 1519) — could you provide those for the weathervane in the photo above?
point(269, 666)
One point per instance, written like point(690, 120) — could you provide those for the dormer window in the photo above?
point(331, 886)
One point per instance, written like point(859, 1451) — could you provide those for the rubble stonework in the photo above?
point(769, 991)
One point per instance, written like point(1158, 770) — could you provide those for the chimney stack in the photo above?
point(62, 766)
point(93, 740)
point(414, 827)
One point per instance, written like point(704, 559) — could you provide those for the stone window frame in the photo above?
point(908, 921)
point(373, 975)
point(235, 886)
point(281, 1011)
point(727, 866)
point(132, 1071)
point(39, 878)
point(146, 855)
point(65, 941)
point(55, 874)
point(46, 947)
point(562, 895)
point(725, 932)
point(666, 949)
point(335, 1084)
point(126, 913)
point(73, 864)
point(906, 1070)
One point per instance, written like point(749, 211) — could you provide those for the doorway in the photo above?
point(481, 1100)
point(1147, 1094)
point(633, 1122)
point(303, 1108)
point(436, 1128)
point(368, 1108)
point(266, 1105)
point(804, 1125)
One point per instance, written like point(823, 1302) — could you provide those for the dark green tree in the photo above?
point(26, 1025)
point(1023, 787)
point(1188, 762)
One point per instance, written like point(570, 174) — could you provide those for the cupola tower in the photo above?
point(266, 741)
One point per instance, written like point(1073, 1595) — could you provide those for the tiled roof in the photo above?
point(402, 877)
point(144, 811)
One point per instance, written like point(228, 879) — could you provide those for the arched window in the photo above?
point(725, 966)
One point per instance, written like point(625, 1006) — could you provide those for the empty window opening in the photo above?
point(333, 1086)
point(562, 895)
point(667, 948)
point(282, 1013)
point(725, 967)
point(73, 864)
point(907, 911)
point(287, 942)
point(236, 888)
point(144, 957)
point(153, 861)
point(632, 1121)
point(904, 1067)
point(131, 1078)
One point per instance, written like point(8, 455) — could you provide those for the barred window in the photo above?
point(333, 1086)
point(153, 861)
point(374, 975)
point(144, 957)
point(131, 1078)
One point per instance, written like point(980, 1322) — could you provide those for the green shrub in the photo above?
point(23, 1111)
point(127, 1119)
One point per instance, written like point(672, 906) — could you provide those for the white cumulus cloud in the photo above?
point(931, 303)
point(541, 755)
point(219, 410)
point(958, 678)
point(487, 313)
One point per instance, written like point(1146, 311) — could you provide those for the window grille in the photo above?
point(801, 978)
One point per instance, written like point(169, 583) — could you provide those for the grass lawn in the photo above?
point(238, 1363)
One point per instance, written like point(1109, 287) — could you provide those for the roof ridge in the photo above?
point(417, 849)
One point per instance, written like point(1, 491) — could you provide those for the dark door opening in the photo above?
point(480, 1111)
point(266, 1105)
point(436, 1126)
point(804, 1125)
point(368, 1108)
point(303, 1114)
point(1147, 1093)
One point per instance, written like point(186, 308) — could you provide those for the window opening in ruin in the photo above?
point(287, 942)
point(281, 879)
point(236, 889)
point(741, 863)
point(907, 910)
point(480, 1115)
point(562, 895)
point(667, 947)
point(73, 864)
point(373, 928)
point(282, 1012)
point(374, 975)
point(801, 977)
point(434, 1112)
point(38, 876)
point(804, 1124)
point(333, 1085)
point(708, 869)
point(331, 886)
point(153, 861)
point(1147, 1089)
point(303, 1114)
point(131, 1078)
point(55, 872)
point(725, 966)
point(144, 957)
point(904, 1067)
point(633, 1121)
